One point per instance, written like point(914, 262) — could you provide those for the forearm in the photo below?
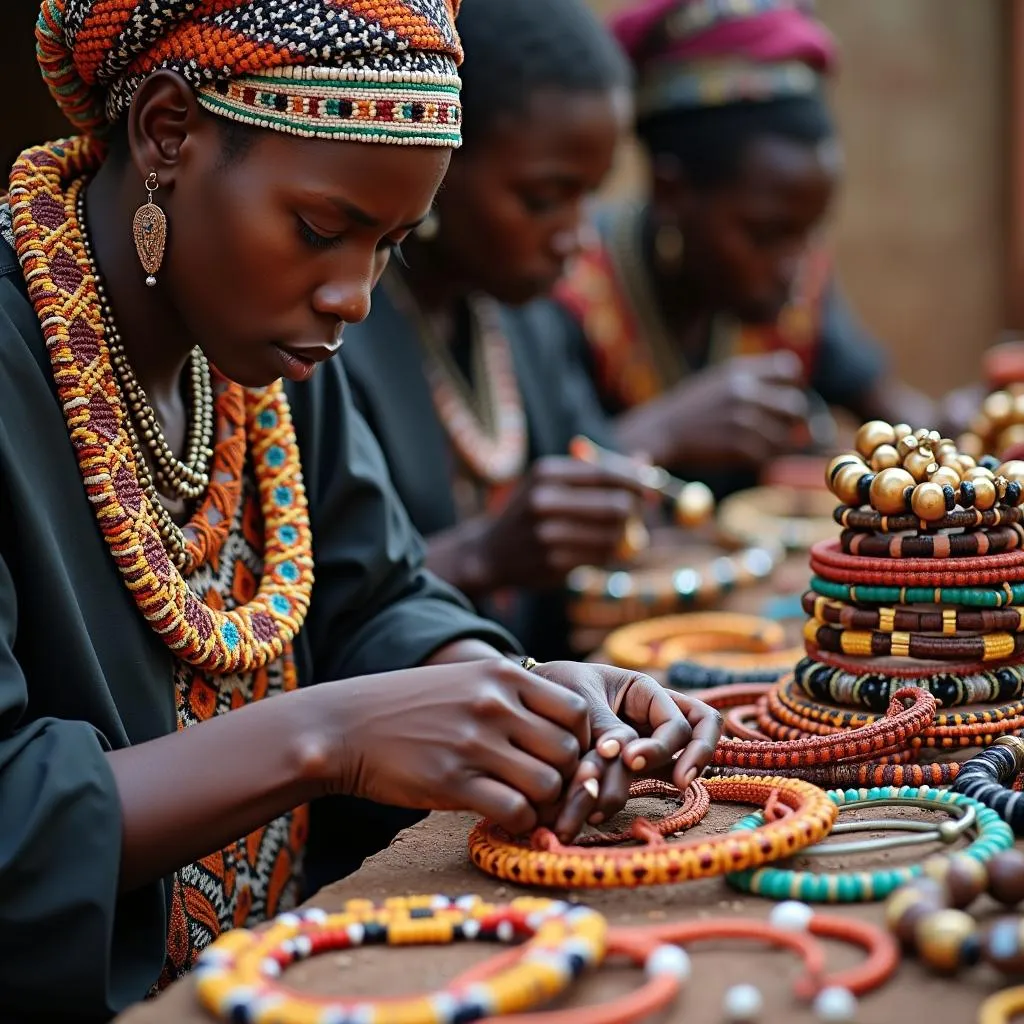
point(193, 792)
point(456, 555)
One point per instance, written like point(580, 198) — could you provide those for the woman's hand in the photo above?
point(637, 727)
point(484, 736)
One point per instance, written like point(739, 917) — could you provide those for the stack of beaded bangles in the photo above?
point(829, 561)
point(928, 914)
point(713, 638)
point(853, 887)
point(791, 926)
point(796, 518)
point(999, 596)
point(873, 688)
point(788, 711)
point(543, 860)
point(985, 778)
point(237, 976)
point(933, 545)
point(922, 646)
point(606, 598)
point(896, 470)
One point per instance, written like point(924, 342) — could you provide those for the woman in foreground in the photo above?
point(244, 171)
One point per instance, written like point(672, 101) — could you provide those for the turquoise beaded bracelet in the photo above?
point(974, 597)
point(994, 836)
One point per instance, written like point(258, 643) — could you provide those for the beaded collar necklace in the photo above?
point(63, 288)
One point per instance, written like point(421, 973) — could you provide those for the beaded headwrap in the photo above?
point(358, 70)
point(701, 53)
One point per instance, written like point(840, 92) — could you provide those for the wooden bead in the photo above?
point(872, 434)
point(928, 502)
point(945, 476)
point(963, 878)
point(1006, 877)
point(967, 462)
point(978, 472)
point(910, 903)
point(985, 495)
point(922, 434)
point(887, 491)
point(998, 407)
point(844, 484)
point(906, 445)
point(943, 938)
point(1001, 945)
point(920, 463)
point(885, 457)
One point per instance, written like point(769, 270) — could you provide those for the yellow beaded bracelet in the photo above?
point(237, 976)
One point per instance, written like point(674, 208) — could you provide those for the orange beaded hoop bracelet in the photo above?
point(707, 637)
point(543, 860)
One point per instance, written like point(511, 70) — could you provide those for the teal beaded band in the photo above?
point(994, 836)
point(973, 597)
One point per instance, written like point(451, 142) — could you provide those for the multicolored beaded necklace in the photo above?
point(63, 288)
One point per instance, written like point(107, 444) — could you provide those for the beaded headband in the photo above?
point(382, 71)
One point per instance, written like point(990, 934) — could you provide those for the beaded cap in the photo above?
point(357, 70)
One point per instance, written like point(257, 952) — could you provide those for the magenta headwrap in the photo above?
point(690, 53)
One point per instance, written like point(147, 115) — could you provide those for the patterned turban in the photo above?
point(700, 53)
point(359, 70)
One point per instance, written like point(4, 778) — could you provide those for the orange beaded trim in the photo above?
point(545, 861)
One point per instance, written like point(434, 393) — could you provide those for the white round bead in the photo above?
point(743, 1003)
point(791, 916)
point(836, 1006)
point(668, 960)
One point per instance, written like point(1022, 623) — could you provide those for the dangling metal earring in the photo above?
point(428, 229)
point(150, 231)
point(669, 246)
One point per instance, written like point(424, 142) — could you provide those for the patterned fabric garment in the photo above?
point(370, 70)
point(258, 876)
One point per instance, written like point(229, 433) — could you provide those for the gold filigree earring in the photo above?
point(149, 229)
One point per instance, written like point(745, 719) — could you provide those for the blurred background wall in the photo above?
point(924, 228)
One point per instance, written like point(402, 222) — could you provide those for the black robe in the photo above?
point(384, 360)
point(81, 673)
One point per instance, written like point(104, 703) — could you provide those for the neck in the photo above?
point(155, 341)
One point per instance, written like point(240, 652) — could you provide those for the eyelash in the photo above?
point(317, 241)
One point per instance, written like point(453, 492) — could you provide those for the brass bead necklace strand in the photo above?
point(170, 533)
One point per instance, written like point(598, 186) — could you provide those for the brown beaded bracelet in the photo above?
point(869, 521)
point(947, 621)
point(933, 545)
point(877, 644)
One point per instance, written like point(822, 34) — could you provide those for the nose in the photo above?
point(345, 298)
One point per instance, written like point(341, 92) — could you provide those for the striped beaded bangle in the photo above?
point(862, 643)
point(543, 860)
point(237, 976)
point(985, 778)
point(830, 561)
point(947, 621)
point(867, 774)
point(933, 545)
point(870, 521)
point(999, 596)
point(994, 835)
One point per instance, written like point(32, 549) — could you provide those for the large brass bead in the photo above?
point(919, 464)
point(888, 490)
point(872, 434)
point(844, 484)
point(945, 476)
point(1011, 437)
point(694, 504)
point(906, 445)
point(945, 939)
point(885, 457)
point(928, 502)
point(847, 459)
point(1013, 470)
point(902, 430)
point(985, 495)
point(977, 472)
point(967, 462)
point(998, 407)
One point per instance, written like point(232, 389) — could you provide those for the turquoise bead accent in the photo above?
point(993, 836)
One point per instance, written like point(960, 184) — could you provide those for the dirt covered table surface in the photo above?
point(432, 858)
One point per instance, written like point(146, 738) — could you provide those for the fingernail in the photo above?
point(639, 764)
point(609, 748)
point(592, 787)
point(595, 819)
